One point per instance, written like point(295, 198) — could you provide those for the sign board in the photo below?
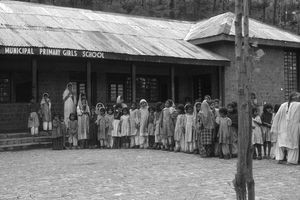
point(50, 52)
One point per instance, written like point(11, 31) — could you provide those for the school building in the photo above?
point(43, 47)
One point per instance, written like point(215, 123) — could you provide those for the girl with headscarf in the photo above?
point(134, 137)
point(189, 128)
point(206, 129)
point(168, 125)
point(46, 112)
point(120, 101)
point(69, 99)
point(196, 134)
point(286, 126)
point(83, 113)
point(143, 123)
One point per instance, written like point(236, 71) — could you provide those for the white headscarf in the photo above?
point(44, 100)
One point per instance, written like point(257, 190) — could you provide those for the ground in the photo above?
point(134, 174)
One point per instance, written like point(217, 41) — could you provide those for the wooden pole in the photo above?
point(248, 122)
point(89, 81)
point(244, 176)
point(133, 83)
point(34, 80)
point(173, 83)
point(240, 179)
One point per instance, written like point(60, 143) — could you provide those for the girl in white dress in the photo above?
point(143, 123)
point(134, 137)
point(125, 128)
point(257, 137)
point(179, 130)
point(189, 128)
point(69, 99)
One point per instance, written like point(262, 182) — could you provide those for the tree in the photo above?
point(244, 178)
point(275, 11)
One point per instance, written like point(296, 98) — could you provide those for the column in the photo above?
point(221, 85)
point(34, 87)
point(133, 82)
point(89, 81)
point(172, 73)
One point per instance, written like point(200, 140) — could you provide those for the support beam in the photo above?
point(133, 83)
point(89, 81)
point(34, 88)
point(221, 86)
point(172, 73)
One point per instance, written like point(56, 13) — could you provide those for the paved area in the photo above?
point(134, 174)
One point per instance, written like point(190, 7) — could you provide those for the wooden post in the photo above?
point(89, 81)
point(221, 85)
point(133, 83)
point(240, 179)
point(244, 176)
point(34, 88)
point(172, 72)
point(247, 128)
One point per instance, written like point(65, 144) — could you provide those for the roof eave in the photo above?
point(231, 38)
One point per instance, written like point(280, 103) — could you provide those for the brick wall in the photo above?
point(13, 117)
point(267, 75)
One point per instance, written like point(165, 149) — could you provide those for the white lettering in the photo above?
point(21, 50)
point(93, 54)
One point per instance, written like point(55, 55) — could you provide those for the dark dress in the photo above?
point(93, 130)
point(57, 135)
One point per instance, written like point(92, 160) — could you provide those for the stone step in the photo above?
point(21, 135)
point(23, 140)
point(24, 146)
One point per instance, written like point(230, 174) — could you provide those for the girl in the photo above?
point(57, 135)
point(116, 127)
point(93, 129)
point(224, 134)
point(233, 115)
point(189, 128)
point(110, 118)
point(143, 123)
point(64, 130)
point(179, 129)
point(72, 130)
point(134, 138)
point(46, 112)
point(125, 128)
point(197, 147)
point(151, 128)
point(266, 119)
point(168, 125)
point(257, 139)
point(157, 121)
point(103, 125)
point(83, 113)
point(206, 129)
point(33, 119)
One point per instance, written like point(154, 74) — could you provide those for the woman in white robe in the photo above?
point(286, 126)
point(69, 102)
point(46, 112)
point(83, 113)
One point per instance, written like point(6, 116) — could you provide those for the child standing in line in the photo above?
point(233, 115)
point(93, 129)
point(33, 119)
point(143, 123)
point(73, 130)
point(83, 113)
point(64, 130)
point(179, 130)
point(157, 124)
point(46, 112)
point(168, 125)
point(257, 139)
point(189, 128)
point(134, 138)
point(57, 135)
point(116, 132)
point(224, 134)
point(110, 119)
point(125, 128)
point(197, 147)
point(103, 125)
point(266, 119)
point(151, 127)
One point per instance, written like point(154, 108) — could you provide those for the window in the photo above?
point(290, 73)
point(202, 86)
point(4, 88)
point(147, 87)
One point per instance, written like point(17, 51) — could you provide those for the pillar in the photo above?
point(34, 87)
point(172, 74)
point(133, 83)
point(89, 81)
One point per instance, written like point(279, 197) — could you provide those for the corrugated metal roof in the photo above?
point(36, 25)
point(224, 24)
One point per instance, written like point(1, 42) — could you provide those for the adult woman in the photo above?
point(286, 125)
point(206, 129)
point(69, 102)
point(83, 114)
point(46, 112)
